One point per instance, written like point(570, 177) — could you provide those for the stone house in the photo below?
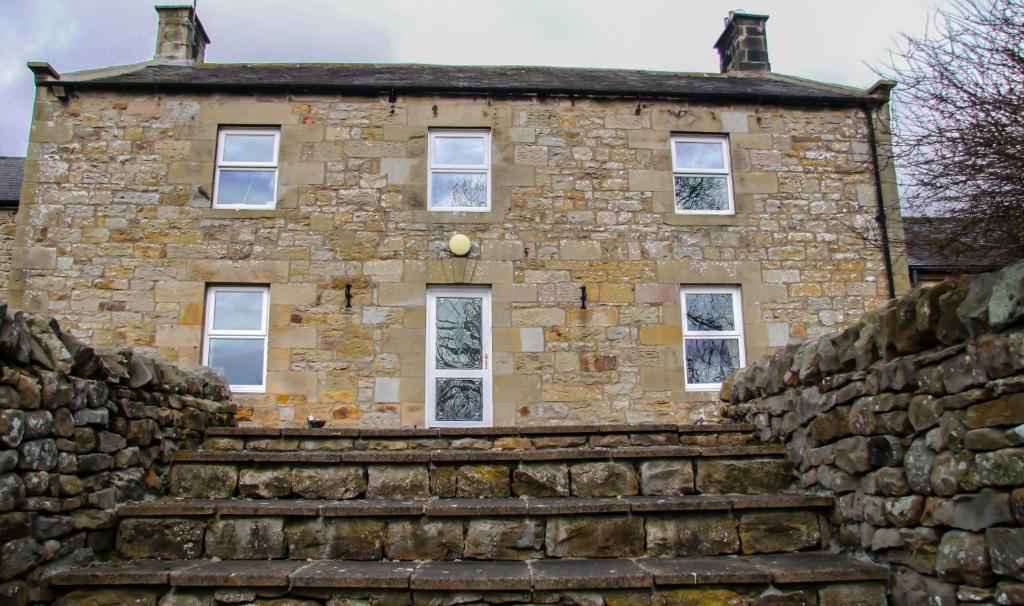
point(409, 245)
point(11, 169)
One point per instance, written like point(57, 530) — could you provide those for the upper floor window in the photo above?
point(235, 340)
point(460, 170)
point(712, 335)
point(246, 168)
point(701, 174)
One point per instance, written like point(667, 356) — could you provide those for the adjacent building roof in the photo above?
point(405, 78)
point(945, 245)
point(11, 172)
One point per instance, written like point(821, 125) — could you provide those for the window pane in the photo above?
point(459, 400)
point(459, 343)
point(693, 155)
point(249, 147)
point(254, 187)
point(709, 311)
point(702, 193)
point(461, 190)
point(459, 151)
point(711, 360)
point(240, 360)
point(237, 310)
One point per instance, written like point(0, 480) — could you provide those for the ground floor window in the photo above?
point(235, 335)
point(712, 335)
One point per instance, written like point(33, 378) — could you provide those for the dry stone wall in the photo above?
point(914, 419)
point(81, 430)
point(119, 241)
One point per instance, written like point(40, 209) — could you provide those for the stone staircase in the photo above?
point(633, 514)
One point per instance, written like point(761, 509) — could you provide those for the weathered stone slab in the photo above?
point(252, 573)
point(483, 481)
point(541, 480)
point(264, 483)
point(345, 482)
point(588, 574)
point(203, 481)
point(472, 576)
point(136, 573)
point(354, 575)
point(702, 571)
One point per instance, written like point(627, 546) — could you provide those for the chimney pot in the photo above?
point(743, 46)
point(180, 37)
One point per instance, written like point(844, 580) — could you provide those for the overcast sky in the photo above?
point(827, 40)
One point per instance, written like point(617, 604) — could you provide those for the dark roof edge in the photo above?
point(800, 99)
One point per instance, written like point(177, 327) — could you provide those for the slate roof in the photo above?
point(11, 171)
point(941, 244)
point(382, 78)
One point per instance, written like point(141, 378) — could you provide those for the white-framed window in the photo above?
point(246, 168)
point(460, 170)
point(701, 175)
point(712, 335)
point(235, 335)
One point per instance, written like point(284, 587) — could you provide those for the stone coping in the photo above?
point(816, 567)
point(515, 430)
point(454, 456)
point(467, 507)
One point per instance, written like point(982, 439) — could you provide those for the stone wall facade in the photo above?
point(119, 241)
point(7, 232)
point(82, 430)
point(914, 418)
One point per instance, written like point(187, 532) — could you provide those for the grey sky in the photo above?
point(826, 40)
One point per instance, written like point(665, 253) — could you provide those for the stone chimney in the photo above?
point(743, 46)
point(180, 37)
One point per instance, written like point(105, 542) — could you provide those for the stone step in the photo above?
point(824, 579)
point(421, 474)
point(513, 506)
point(477, 438)
point(478, 529)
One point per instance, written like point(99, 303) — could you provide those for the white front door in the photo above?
point(458, 390)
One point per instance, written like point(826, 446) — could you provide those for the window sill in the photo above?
point(673, 218)
point(241, 213)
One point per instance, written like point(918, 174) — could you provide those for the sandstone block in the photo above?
point(743, 476)
point(203, 481)
point(246, 538)
point(603, 479)
point(397, 482)
point(264, 483)
point(340, 539)
point(328, 482)
point(774, 532)
point(594, 537)
point(161, 538)
point(666, 477)
point(693, 535)
point(423, 540)
point(483, 481)
point(541, 480)
point(503, 539)
point(853, 594)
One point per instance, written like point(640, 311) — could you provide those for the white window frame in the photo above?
point(484, 169)
point(263, 333)
point(683, 171)
point(233, 165)
point(737, 310)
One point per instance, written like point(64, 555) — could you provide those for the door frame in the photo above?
point(432, 374)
